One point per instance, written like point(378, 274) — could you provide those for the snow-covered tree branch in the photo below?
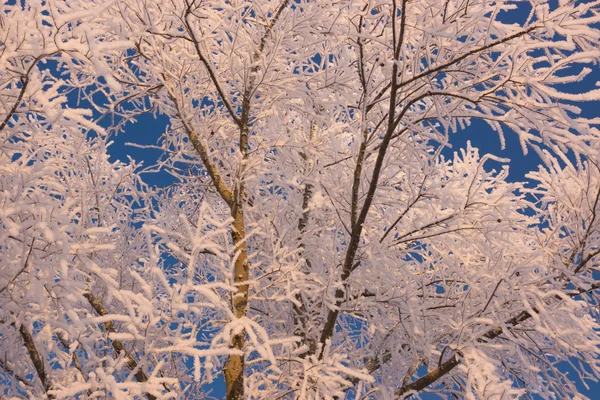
point(321, 236)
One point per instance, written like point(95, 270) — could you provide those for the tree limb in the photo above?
point(37, 361)
point(140, 376)
point(447, 366)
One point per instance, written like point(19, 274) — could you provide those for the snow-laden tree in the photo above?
point(319, 239)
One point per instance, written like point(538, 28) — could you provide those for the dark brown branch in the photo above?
point(467, 54)
point(434, 234)
point(37, 361)
point(12, 373)
point(431, 377)
point(349, 261)
point(74, 357)
point(209, 69)
point(263, 40)
point(401, 216)
point(220, 185)
point(440, 67)
point(140, 376)
point(22, 269)
point(24, 82)
point(244, 120)
point(587, 233)
point(447, 366)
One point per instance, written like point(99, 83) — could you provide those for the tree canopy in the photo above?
point(321, 237)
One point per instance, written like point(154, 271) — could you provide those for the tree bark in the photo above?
point(38, 363)
point(234, 366)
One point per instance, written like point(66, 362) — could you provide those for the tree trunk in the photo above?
point(234, 366)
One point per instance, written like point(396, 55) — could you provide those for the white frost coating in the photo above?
point(63, 18)
point(592, 95)
point(483, 380)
